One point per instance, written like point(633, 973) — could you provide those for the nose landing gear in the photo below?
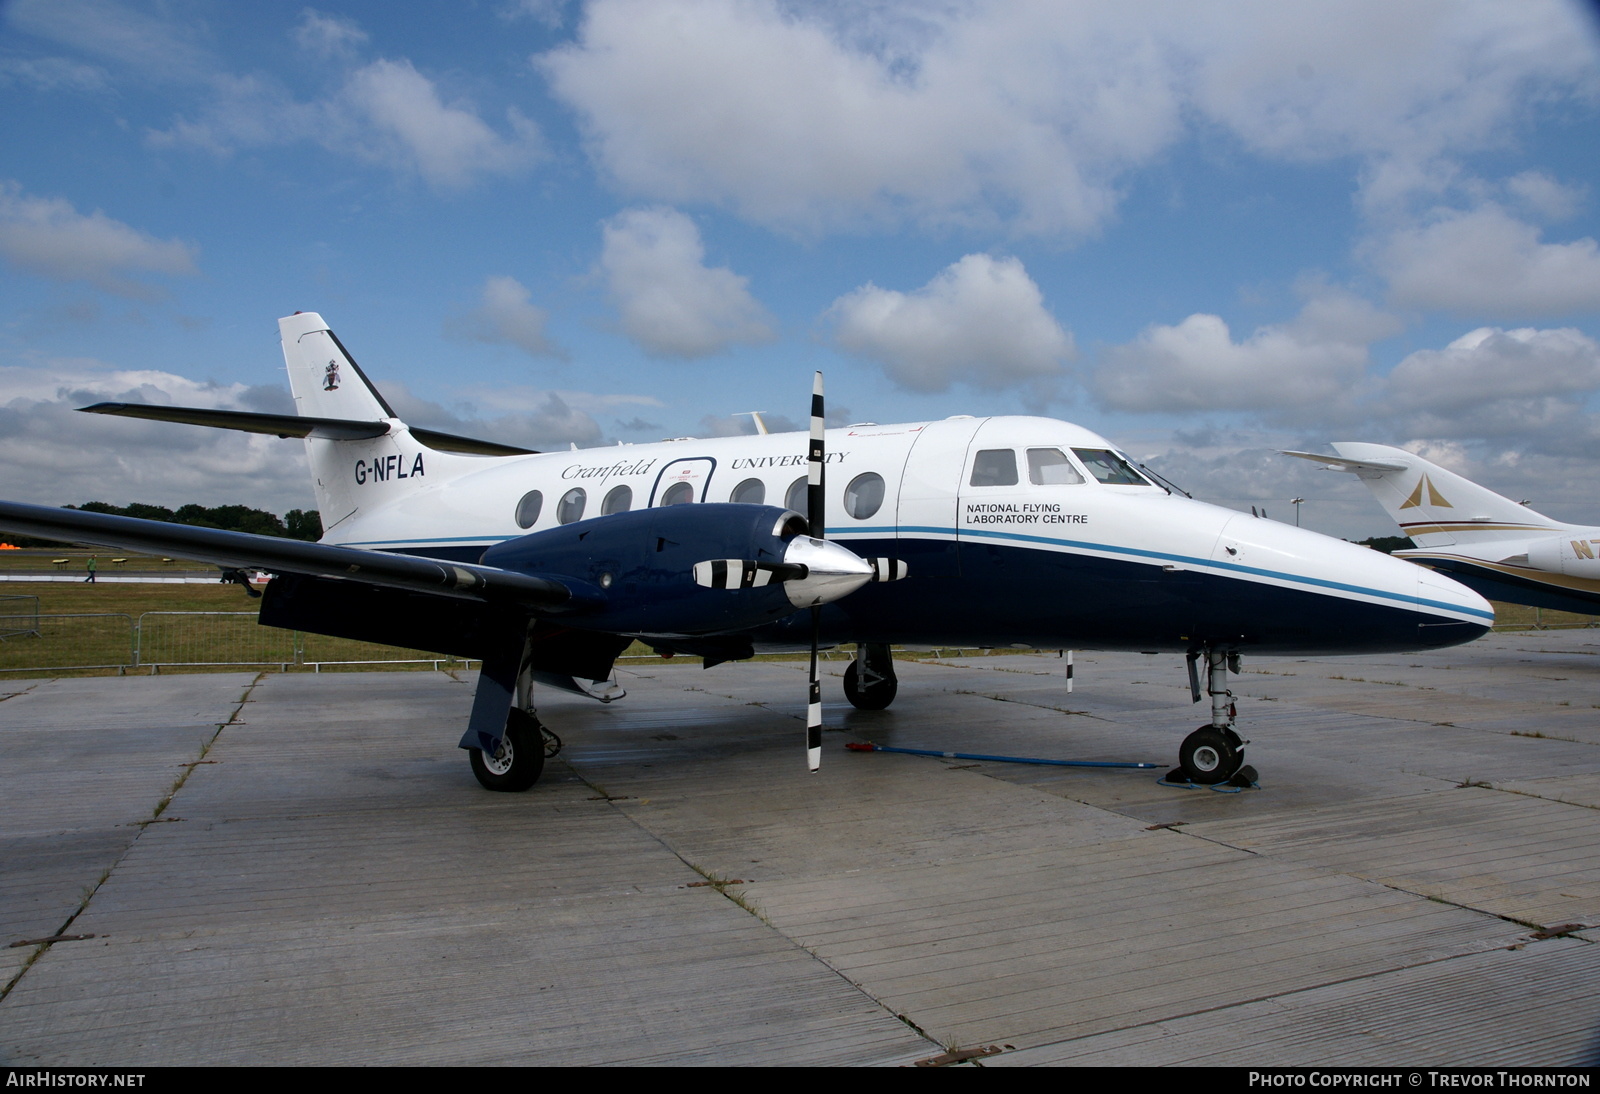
point(1214, 753)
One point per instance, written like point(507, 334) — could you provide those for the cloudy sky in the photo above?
point(1207, 231)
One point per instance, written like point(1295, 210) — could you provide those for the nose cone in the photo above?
point(1438, 611)
point(833, 571)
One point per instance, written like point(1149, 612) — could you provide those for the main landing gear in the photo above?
point(869, 680)
point(1214, 753)
point(518, 762)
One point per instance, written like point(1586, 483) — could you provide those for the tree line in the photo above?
point(295, 524)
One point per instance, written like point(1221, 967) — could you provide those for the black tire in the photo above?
point(877, 697)
point(520, 761)
point(1209, 755)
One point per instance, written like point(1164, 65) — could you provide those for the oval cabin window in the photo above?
point(619, 500)
point(795, 497)
point(528, 509)
point(679, 493)
point(749, 492)
point(864, 496)
point(571, 506)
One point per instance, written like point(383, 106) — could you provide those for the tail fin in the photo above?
point(1435, 507)
point(326, 381)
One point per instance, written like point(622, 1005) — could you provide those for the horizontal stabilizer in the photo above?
point(242, 550)
point(293, 425)
point(1340, 463)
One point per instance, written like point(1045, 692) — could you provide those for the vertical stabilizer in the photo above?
point(326, 381)
point(1433, 506)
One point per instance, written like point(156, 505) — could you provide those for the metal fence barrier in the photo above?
point(19, 617)
point(153, 641)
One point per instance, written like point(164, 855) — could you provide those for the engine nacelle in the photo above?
point(1573, 555)
point(633, 573)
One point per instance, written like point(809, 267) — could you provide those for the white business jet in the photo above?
point(1497, 546)
point(992, 532)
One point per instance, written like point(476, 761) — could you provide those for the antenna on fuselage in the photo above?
point(754, 416)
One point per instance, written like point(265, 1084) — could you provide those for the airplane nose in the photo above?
point(833, 571)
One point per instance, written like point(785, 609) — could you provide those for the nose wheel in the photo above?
point(1211, 755)
point(1214, 753)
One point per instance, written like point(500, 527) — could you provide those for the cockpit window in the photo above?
point(1050, 467)
point(1108, 467)
point(995, 467)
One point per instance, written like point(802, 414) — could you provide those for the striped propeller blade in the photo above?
point(814, 503)
point(814, 701)
point(887, 569)
point(744, 573)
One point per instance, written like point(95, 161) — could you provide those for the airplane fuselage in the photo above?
point(1017, 531)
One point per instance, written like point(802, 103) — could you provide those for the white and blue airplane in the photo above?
point(1498, 547)
point(1015, 532)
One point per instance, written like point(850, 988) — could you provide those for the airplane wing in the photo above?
point(293, 425)
point(243, 550)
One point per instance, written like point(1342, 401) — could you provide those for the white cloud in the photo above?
point(386, 112)
point(1544, 196)
point(1486, 262)
point(980, 321)
point(1317, 360)
point(1490, 365)
point(1527, 388)
point(538, 420)
point(508, 315)
point(812, 117)
point(160, 49)
point(672, 304)
point(48, 237)
point(327, 36)
point(56, 456)
point(404, 123)
point(51, 74)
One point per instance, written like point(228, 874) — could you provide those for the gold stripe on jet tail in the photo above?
point(1428, 527)
point(1542, 577)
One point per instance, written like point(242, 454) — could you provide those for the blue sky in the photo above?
point(1207, 231)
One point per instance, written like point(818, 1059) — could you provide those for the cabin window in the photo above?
point(749, 492)
point(528, 509)
point(1109, 468)
point(1050, 467)
point(570, 508)
point(679, 493)
point(864, 496)
point(619, 500)
point(995, 467)
point(795, 497)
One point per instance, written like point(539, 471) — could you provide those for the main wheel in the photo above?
point(518, 762)
point(876, 697)
point(1210, 755)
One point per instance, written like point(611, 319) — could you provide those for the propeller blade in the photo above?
point(814, 702)
point(744, 573)
point(814, 507)
point(817, 519)
point(887, 569)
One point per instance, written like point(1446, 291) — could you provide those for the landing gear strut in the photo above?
point(869, 681)
point(1214, 753)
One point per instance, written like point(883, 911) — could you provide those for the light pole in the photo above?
point(1296, 503)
